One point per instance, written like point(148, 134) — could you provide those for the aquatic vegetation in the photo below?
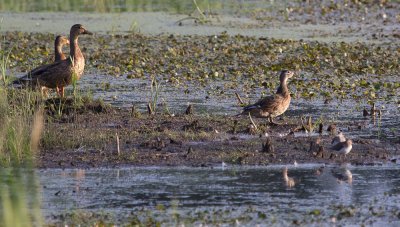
point(331, 70)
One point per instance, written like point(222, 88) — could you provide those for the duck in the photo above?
point(338, 139)
point(59, 74)
point(272, 106)
point(59, 42)
point(343, 147)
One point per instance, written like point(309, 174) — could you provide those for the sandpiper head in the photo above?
point(286, 74)
point(285, 170)
point(61, 40)
point(78, 29)
point(349, 142)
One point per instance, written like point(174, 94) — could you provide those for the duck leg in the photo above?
point(60, 91)
point(271, 121)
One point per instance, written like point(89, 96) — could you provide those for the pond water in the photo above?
point(228, 194)
point(175, 6)
point(124, 93)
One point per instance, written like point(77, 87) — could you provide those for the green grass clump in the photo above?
point(21, 124)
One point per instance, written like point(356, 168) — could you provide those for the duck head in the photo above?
point(78, 29)
point(286, 74)
point(61, 40)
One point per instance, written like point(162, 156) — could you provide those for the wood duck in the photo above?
point(272, 106)
point(61, 73)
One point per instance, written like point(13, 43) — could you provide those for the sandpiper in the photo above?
point(342, 175)
point(288, 180)
point(343, 147)
point(338, 138)
point(272, 106)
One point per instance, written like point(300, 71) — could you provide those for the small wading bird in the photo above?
point(342, 175)
point(61, 73)
point(343, 147)
point(289, 181)
point(338, 138)
point(272, 106)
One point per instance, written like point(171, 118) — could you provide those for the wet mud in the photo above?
point(120, 137)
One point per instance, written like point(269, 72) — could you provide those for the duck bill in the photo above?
point(86, 32)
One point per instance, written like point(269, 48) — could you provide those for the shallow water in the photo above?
point(175, 6)
point(124, 93)
point(248, 195)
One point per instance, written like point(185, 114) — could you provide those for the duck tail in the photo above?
point(250, 107)
point(20, 82)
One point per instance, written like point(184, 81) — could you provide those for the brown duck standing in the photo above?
point(272, 106)
point(59, 74)
point(59, 42)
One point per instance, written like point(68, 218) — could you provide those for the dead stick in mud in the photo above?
point(252, 122)
point(239, 98)
point(149, 109)
point(118, 150)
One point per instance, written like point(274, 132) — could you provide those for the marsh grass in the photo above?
point(21, 120)
point(4, 61)
point(21, 125)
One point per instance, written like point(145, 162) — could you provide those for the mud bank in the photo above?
point(91, 139)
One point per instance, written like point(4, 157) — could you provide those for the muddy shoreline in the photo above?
point(89, 140)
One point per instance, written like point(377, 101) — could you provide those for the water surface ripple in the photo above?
point(249, 195)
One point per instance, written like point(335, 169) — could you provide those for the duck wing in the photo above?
point(260, 103)
point(43, 75)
